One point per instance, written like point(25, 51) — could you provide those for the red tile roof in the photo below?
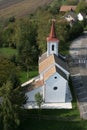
point(53, 70)
point(44, 64)
point(52, 35)
point(66, 8)
point(35, 84)
point(51, 59)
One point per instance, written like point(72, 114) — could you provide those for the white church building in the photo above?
point(52, 82)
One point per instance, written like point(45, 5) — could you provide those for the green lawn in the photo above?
point(23, 75)
point(8, 51)
point(35, 124)
point(52, 120)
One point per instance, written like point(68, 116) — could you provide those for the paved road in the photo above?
point(78, 69)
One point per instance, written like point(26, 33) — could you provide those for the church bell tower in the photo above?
point(52, 41)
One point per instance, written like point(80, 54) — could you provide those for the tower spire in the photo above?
point(52, 35)
point(52, 31)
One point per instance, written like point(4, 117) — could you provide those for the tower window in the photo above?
point(52, 47)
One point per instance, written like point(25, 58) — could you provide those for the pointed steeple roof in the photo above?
point(52, 31)
point(52, 35)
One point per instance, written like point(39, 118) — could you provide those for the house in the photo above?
point(66, 8)
point(52, 82)
point(81, 16)
point(71, 16)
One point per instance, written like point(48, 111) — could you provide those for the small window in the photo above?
point(55, 88)
point(55, 77)
point(52, 47)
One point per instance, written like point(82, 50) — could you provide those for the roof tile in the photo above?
point(66, 8)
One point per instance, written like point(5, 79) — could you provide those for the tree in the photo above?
point(27, 45)
point(82, 7)
point(76, 30)
point(39, 99)
point(27, 56)
point(8, 71)
point(71, 2)
point(12, 19)
point(8, 35)
point(12, 101)
point(1, 36)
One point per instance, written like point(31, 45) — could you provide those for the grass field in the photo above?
point(5, 3)
point(8, 51)
point(55, 119)
point(23, 75)
point(19, 8)
point(35, 124)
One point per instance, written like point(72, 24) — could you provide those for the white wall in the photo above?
point(49, 48)
point(31, 94)
point(62, 94)
point(58, 95)
point(80, 17)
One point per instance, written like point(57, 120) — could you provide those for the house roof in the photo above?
point(52, 35)
point(46, 61)
point(66, 8)
point(43, 57)
point(72, 14)
point(53, 70)
point(34, 85)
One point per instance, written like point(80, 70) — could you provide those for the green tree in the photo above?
point(1, 36)
point(12, 19)
point(27, 31)
point(8, 71)
point(27, 45)
point(39, 99)
point(71, 2)
point(27, 56)
point(8, 35)
point(12, 101)
point(76, 30)
point(82, 7)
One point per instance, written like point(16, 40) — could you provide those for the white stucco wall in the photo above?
point(57, 95)
point(80, 17)
point(62, 94)
point(49, 48)
point(31, 94)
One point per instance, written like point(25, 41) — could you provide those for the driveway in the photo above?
point(78, 70)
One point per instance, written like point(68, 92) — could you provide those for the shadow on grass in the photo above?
point(52, 125)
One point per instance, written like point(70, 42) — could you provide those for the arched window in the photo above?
point(52, 47)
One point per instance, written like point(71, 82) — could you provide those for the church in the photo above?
point(52, 81)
